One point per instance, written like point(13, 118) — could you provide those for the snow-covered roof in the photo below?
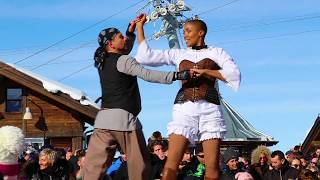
point(56, 87)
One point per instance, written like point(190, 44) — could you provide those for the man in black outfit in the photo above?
point(281, 169)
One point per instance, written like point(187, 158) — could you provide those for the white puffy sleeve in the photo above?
point(147, 56)
point(229, 69)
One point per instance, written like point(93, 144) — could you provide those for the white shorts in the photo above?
point(197, 121)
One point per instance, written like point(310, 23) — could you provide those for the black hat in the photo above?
point(107, 35)
point(230, 153)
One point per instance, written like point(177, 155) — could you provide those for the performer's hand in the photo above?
point(182, 75)
point(141, 19)
point(197, 72)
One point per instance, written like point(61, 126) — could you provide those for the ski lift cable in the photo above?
point(60, 56)
point(260, 24)
point(75, 72)
point(270, 37)
point(218, 7)
point(75, 34)
point(226, 42)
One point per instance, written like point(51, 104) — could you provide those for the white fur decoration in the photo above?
point(11, 144)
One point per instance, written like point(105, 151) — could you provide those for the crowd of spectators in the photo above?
point(52, 163)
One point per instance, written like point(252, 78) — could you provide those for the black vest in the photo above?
point(119, 90)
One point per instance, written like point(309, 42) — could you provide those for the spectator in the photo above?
point(158, 158)
point(260, 159)
point(116, 165)
point(306, 174)
point(246, 162)
point(296, 163)
point(304, 162)
point(195, 169)
point(157, 136)
point(313, 166)
point(72, 160)
point(51, 167)
point(122, 172)
point(290, 155)
point(187, 157)
point(317, 153)
point(298, 150)
point(243, 176)
point(29, 164)
point(281, 169)
point(81, 163)
point(231, 160)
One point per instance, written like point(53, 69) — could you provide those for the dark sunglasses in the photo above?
point(296, 165)
point(200, 156)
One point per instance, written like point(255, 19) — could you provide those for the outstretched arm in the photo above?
point(130, 66)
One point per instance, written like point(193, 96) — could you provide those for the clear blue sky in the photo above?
point(275, 43)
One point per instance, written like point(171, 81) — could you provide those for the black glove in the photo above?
point(182, 75)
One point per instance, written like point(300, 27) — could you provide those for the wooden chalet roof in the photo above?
point(313, 137)
point(88, 111)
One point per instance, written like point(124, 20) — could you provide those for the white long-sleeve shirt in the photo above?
point(229, 70)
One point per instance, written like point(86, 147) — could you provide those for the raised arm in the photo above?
point(147, 56)
point(140, 21)
point(130, 37)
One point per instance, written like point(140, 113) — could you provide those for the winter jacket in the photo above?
point(59, 171)
point(285, 173)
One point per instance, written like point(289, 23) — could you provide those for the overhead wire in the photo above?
point(258, 24)
point(75, 72)
point(209, 10)
point(218, 7)
point(236, 41)
point(64, 54)
point(53, 63)
point(86, 67)
point(28, 50)
point(75, 34)
point(270, 37)
point(222, 29)
point(222, 42)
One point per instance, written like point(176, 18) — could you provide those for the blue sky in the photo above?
point(275, 43)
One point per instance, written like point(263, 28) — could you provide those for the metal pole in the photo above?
point(24, 127)
point(170, 25)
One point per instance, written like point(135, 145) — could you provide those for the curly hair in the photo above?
point(255, 155)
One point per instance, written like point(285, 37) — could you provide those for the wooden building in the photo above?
point(312, 141)
point(58, 111)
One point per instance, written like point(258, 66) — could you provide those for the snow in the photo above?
point(56, 87)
